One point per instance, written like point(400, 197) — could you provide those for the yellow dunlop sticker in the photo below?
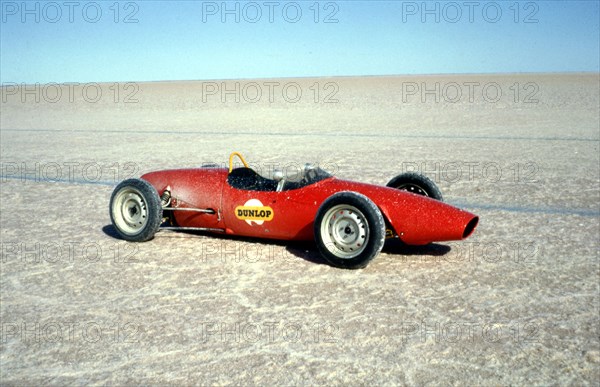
point(254, 211)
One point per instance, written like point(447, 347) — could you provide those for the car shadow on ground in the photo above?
point(395, 246)
point(308, 250)
point(110, 231)
point(297, 249)
point(292, 249)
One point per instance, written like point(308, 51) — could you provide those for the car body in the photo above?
point(238, 201)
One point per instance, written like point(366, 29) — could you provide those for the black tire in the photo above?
point(360, 220)
point(416, 183)
point(135, 210)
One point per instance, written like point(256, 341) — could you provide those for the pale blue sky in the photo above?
point(185, 40)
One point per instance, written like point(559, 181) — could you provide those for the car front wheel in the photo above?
point(135, 210)
point(349, 230)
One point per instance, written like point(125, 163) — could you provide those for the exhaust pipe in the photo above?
point(470, 227)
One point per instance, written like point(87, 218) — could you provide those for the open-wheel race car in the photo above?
point(349, 221)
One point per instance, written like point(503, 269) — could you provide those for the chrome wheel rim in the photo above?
point(413, 188)
point(130, 212)
point(344, 231)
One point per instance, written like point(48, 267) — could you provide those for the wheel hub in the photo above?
point(345, 231)
point(131, 211)
point(414, 189)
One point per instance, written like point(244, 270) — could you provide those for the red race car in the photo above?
point(348, 220)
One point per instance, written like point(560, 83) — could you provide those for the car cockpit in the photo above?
point(246, 178)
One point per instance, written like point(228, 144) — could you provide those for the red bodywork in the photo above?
point(290, 214)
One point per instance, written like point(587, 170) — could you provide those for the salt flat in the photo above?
point(517, 303)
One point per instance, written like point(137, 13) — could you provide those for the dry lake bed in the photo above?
point(515, 304)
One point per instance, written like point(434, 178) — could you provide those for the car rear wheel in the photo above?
point(135, 210)
point(349, 230)
point(416, 183)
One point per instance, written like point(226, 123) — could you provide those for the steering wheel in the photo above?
point(308, 174)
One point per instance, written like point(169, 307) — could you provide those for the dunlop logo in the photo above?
point(254, 213)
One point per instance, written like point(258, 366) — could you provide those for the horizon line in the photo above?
point(5, 83)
